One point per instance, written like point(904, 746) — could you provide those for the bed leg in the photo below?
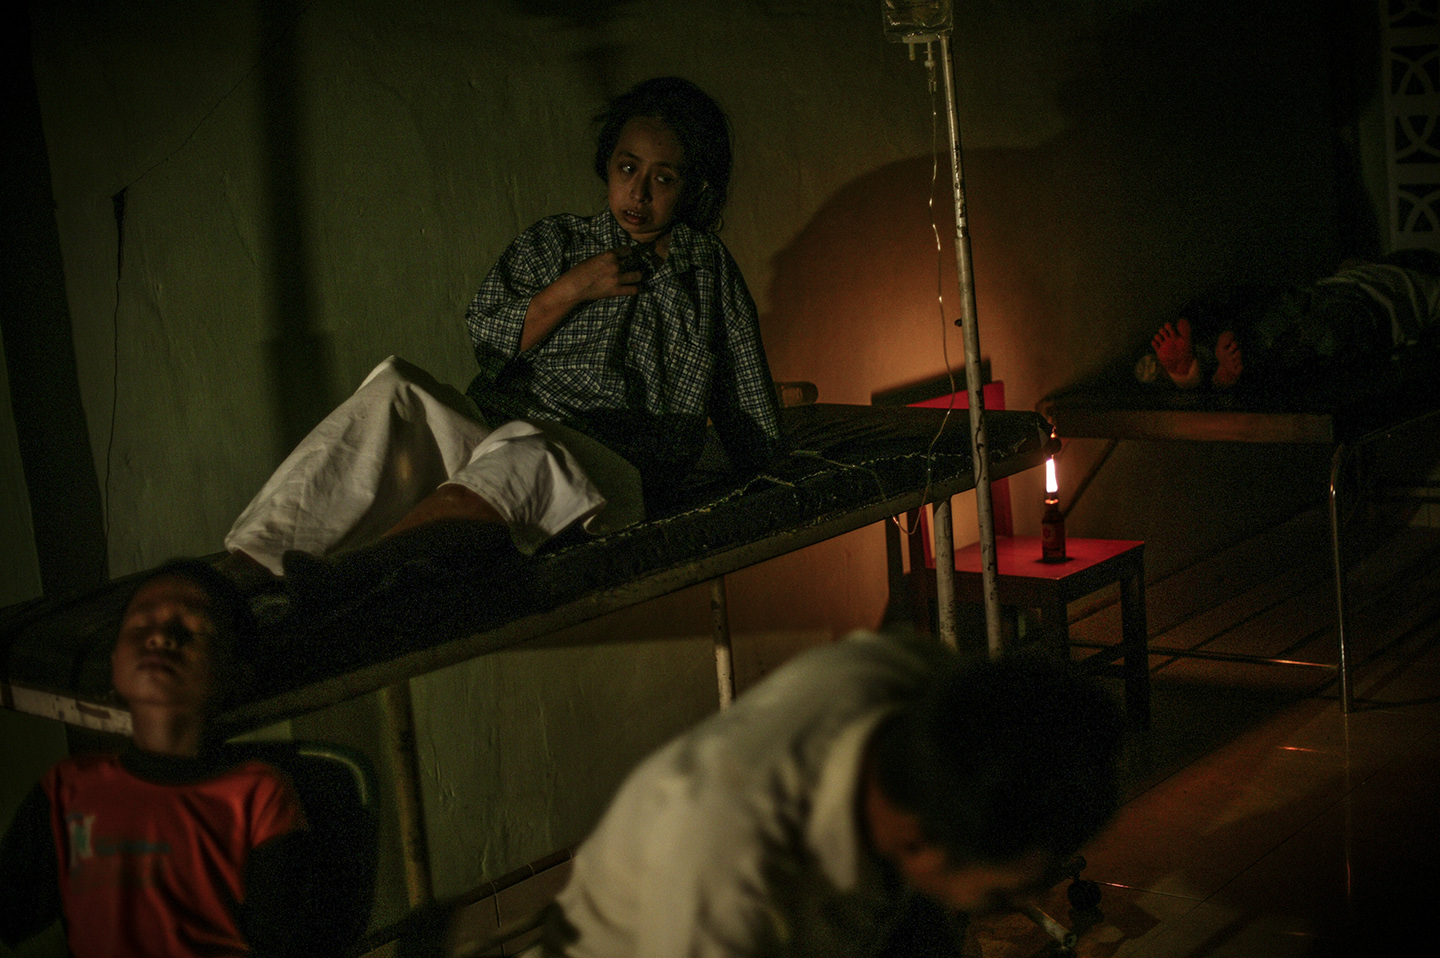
point(1337, 557)
point(724, 652)
point(945, 573)
point(400, 746)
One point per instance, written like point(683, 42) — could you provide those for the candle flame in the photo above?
point(1052, 486)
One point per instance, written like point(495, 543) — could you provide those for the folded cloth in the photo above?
point(399, 437)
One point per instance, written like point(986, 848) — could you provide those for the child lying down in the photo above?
point(1344, 328)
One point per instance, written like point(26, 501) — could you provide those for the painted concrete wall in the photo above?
point(309, 187)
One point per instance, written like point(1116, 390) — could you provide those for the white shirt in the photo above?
point(743, 837)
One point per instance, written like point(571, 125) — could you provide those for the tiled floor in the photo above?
point(1261, 819)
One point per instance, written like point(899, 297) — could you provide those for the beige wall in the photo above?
point(313, 186)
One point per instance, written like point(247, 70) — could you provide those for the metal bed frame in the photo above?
point(850, 466)
point(1351, 429)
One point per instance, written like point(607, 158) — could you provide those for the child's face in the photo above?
point(168, 645)
point(646, 178)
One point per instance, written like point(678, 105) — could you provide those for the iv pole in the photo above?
point(984, 507)
point(979, 448)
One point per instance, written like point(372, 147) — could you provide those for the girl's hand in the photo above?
point(611, 273)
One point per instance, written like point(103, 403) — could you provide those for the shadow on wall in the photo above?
point(855, 300)
point(599, 57)
point(1075, 266)
point(1199, 144)
point(1194, 153)
point(66, 509)
point(300, 356)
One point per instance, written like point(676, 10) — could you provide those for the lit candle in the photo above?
point(1052, 523)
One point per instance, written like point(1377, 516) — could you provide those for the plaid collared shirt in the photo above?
point(640, 373)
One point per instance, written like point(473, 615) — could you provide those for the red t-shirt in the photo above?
point(159, 869)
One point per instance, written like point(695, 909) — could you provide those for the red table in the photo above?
point(1024, 581)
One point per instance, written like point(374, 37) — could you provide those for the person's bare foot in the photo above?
point(403, 559)
point(450, 501)
point(1227, 352)
point(1176, 353)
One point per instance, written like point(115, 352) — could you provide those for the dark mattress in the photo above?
point(849, 466)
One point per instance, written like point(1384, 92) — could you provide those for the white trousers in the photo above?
point(401, 436)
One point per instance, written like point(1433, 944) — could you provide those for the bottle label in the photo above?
point(1052, 540)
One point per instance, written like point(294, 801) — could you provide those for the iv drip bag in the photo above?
point(908, 20)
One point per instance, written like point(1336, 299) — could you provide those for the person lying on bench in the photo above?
point(175, 846)
point(859, 801)
point(605, 343)
point(1343, 329)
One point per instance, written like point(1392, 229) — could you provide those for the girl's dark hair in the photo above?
point(702, 129)
point(1004, 759)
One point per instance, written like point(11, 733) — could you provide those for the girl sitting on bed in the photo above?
point(1342, 330)
point(604, 345)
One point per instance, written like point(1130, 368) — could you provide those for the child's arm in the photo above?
point(535, 285)
point(283, 912)
point(29, 872)
point(278, 916)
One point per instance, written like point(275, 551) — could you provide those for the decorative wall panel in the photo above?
point(1410, 37)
